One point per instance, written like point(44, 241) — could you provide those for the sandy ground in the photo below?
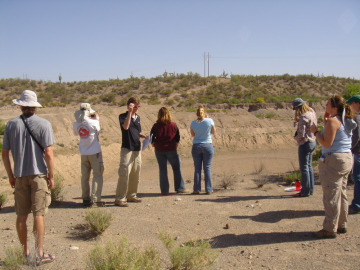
point(268, 228)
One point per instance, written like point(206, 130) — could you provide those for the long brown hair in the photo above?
point(164, 116)
point(341, 105)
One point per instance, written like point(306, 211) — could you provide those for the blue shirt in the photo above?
point(202, 130)
point(341, 143)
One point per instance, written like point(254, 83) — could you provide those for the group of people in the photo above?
point(164, 136)
point(29, 138)
point(340, 150)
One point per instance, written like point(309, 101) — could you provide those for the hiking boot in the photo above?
point(98, 204)
point(195, 193)
point(87, 203)
point(341, 230)
point(121, 203)
point(324, 234)
point(134, 199)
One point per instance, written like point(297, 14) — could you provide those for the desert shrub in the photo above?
point(259, 168)
point(169, 102)
point(270, 115)
point(261, 180)
point(352, 89)
point(166, 92)
point(109, 97)
point(121, 257)
point(98, 220)
point(2, 127)
point(292, 177)
point(193, 254)
point(153, 100)
point(3, 199)
point(14, 258)
point(227, 181)
point(58, 190)
point(260, 100)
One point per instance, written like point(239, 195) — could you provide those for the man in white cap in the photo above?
point(29, 138)
point(87, 127)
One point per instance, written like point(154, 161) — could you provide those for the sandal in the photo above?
point(300, 195)
point(44, 259)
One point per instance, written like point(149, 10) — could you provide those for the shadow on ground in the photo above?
point(232, 240)
point(276, 216)
point(226, 199)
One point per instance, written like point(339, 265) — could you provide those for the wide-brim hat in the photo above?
point(354, 98)
point(297, 102)
point(86, 106)
point(28, 98)
point(81, 115)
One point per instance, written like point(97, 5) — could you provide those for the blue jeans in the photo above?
point(202, 154)
point(355, 204)
point(305, 153)
point(174, 160)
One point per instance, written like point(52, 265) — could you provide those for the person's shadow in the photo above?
point(276, 216)
point(248, 239)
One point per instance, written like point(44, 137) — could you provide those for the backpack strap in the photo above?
point(32, 136)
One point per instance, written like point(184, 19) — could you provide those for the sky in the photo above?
point(87, 40)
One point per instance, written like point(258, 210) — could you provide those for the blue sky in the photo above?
point(97, 40)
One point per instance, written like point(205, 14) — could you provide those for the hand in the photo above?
point(326, 117)
point(51, 182)
point(96, 116)
point(12, 181)
point(313, 128)
point(131, 107)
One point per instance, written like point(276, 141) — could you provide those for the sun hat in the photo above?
point(81, 115)
point(354, 98)
point(86, 106)
point(297, 102)
point(28, 98)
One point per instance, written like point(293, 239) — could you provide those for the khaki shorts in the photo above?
point(32, 195)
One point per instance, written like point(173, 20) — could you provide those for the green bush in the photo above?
point(121, 257)
point(98, 220)
point(260, 100)
point(58, 190)
point(194, 254)
point(292, 177)
point(3, 199)
point(2, 127)
point(14, 258)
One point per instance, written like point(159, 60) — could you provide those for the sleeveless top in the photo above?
point(342, 141)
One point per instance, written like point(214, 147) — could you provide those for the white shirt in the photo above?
point(88, 131)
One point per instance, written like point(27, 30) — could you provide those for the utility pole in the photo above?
point(208, 64)
point(204, 65)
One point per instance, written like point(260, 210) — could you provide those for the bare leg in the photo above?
point(21, 228)
point(39, 231)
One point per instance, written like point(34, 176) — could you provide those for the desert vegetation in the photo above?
point(183, 90)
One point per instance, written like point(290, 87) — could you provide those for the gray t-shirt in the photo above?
point(27, 155)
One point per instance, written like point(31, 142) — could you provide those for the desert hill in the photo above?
point(240, 128)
